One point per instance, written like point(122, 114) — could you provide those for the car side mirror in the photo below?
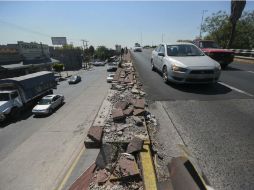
point(161, 54)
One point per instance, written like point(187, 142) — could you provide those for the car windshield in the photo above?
point(44, 102)
point(4, 97)
point(209, 44)
point(74, 78)
point(183, 50)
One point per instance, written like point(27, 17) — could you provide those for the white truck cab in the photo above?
point(10, 100)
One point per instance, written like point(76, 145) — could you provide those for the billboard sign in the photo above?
point(59, 40)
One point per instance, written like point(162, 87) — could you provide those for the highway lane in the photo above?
point(214, 122)
point(36, 152)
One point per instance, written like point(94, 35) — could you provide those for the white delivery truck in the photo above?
point(17, 92)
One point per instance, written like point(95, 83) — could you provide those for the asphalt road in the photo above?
point(36, 152)
point(214, 122)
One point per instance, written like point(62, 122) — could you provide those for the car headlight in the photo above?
point(178, 69)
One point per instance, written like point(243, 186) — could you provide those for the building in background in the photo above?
point(24, 58)
point(118, 48)
point(69, 56)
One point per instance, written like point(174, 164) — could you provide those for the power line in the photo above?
point(24, 28)
point(12, 25)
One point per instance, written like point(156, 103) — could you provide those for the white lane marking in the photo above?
point(250, 72)
point(236, 89)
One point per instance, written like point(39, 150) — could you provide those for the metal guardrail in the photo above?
point(243, 52)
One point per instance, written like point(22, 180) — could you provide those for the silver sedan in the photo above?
point(48, 104)
point(184, 63)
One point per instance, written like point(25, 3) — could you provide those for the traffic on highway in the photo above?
point(127, 95)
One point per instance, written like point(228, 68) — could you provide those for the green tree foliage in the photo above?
point(218, 28)
point(236, 13)
point(91, 50)
point(103, 53)
point(58, 67)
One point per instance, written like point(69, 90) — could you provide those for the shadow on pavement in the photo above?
point(231, 68)
point(23, 115)
point(207, 89)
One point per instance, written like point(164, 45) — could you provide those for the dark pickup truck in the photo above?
point(210, 48)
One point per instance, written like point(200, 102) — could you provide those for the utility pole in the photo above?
point(162, 36)
point(84, 55)
point(141, 40)
point(85, 46)
point(200, 33)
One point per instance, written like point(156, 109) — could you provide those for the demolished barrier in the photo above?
point(119, 164)
point(125, 160)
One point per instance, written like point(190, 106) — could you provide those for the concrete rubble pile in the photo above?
point(119, 132)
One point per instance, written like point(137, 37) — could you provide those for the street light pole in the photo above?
point(200, 33)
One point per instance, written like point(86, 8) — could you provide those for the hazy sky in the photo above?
point(105, 23)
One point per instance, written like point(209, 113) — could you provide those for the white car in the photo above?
point(184, 63)
point(48, 104)
point(110, 77)
point(137, 49)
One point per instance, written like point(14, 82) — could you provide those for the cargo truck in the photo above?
point(18, 92)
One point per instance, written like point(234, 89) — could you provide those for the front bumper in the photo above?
point(40, 112)
point(197, 78)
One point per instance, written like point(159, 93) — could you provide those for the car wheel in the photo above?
point(152, 66)
point(165, 74)
point(14, 113)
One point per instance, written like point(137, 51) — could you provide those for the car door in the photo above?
point(155, 56)
point(161, 58)
point(54, 102)
point(58, 100)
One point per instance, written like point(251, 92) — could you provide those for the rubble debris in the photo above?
point(139, 103)
point(117, 114)
point(122, 127)
point(126, 167)
point(141, 93)
point(107, 155)
point(137, 120)
point(95, 133)
point(135, 145)
point(104, 156)
point(121, 105)
point(128, 111)
point(138, 112)
point(135, 90)
point(102, 176)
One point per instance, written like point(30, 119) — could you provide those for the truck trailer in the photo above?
point(18, 92)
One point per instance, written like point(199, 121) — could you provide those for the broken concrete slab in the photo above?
point(104, 156)
point(102, 176)
point(117, 114)
point(90, 144)
point(139, 103)
point(121, 105)
point(138, 112)
point(135, 145)
point(108, 154)
point(137, 120)
point(126, 167)
point(95, 133)
point(128, 111)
